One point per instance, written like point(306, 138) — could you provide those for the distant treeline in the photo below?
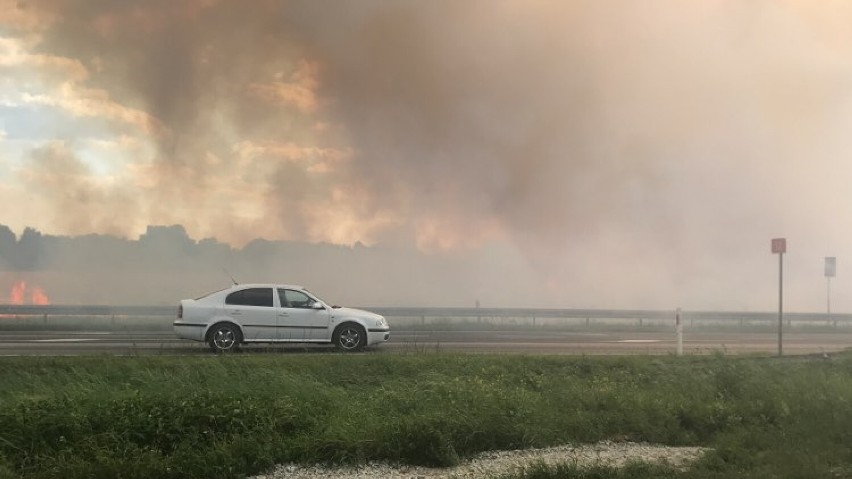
point(34, 251)
point(165, 264)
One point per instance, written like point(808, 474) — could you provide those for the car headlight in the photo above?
point(381, 322)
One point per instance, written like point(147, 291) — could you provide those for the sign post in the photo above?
point(779, 246)
point(830, 272)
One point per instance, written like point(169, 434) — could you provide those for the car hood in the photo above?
point(355, 312)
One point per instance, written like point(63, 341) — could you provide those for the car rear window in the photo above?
point(251, 297)
point(209, 294)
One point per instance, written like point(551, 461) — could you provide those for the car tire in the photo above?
point(350, 338)
point(224, 338)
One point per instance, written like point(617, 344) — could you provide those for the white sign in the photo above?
point(830, 266)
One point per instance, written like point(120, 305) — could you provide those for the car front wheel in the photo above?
point(224, 338)
point(350, 338)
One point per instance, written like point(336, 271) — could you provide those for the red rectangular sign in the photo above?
point(779, 245)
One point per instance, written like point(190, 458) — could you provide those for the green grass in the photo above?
point(227, 416)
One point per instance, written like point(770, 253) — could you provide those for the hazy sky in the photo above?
point(621, 153)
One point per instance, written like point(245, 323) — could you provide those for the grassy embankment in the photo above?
point(105, 417)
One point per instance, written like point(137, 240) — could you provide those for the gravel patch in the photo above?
point(501, 462)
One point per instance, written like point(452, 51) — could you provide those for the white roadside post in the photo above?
point(830, 272)
point(779, 246)
point(679, 332)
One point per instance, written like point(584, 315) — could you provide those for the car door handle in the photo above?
point(283, 314)
point(236, 312)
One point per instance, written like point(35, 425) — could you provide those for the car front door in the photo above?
point(298, 312)
point(254, 310)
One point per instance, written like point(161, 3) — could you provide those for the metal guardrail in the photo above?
point(650, 314)
point(86, 310)
point(637, 314)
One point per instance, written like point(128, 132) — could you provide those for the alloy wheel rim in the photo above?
point(349, 338)
point(224, 339)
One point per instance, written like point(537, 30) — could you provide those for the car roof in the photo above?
point(239, 287)
point(265, 285)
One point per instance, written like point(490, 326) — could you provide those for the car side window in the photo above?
point(296, 299)
point(251, 297)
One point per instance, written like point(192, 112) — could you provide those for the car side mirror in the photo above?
point(317, 305)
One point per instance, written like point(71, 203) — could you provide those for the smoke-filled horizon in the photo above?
point(596, 153)
point(165, 264)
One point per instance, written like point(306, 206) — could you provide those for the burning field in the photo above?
point(22, 292)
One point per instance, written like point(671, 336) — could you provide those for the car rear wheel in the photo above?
point(350, 338)
point(224, 338)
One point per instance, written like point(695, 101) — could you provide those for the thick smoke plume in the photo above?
point(633, 153)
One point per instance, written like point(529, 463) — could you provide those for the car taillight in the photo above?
point(180, 311)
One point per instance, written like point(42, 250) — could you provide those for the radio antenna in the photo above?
point(229, 275)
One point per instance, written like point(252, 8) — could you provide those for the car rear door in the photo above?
point(254, 310)
point(297, 312)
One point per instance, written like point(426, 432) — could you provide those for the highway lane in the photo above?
point(54, 343)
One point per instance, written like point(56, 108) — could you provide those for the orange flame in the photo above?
point(18, 291)
point(39, 297)
point(19, 294)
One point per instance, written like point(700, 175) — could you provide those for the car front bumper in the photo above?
point(377, 335)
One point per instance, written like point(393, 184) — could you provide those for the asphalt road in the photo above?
point(54, 343)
